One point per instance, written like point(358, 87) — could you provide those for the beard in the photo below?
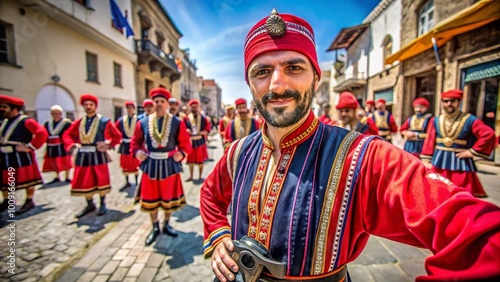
point(278, 117)
point(450, 110)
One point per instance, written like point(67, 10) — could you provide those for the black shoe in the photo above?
point(152, 236)
point(128, 185)
point(102, 210)
point(4, 206)
point(56, 180)
point(86, 210)
point(28, 205)
point(68, 180)
point(189, 179)
point(167, 229)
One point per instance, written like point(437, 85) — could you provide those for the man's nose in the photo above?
point(278, 81)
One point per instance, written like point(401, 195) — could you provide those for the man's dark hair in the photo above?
point(327, 106)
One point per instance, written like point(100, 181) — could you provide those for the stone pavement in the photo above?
point(60, 247)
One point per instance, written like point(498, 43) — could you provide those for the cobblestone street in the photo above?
point(53, 245)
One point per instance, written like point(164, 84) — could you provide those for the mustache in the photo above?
point(287, 94)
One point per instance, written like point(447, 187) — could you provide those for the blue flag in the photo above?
point(118, 19)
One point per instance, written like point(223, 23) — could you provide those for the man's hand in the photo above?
point(427, 164)
point(178, 156)
point(223, 265)
point(102, 146)
point(464, 154)
point(409, 134)
point(22, 148)
point(141, 155)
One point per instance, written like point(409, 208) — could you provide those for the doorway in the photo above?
point(51, 95)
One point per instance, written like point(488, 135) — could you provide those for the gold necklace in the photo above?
point(88, 137)
point(159, 135)
point(5, 138)
point(129, 125)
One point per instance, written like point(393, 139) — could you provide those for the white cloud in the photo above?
point(228, 37)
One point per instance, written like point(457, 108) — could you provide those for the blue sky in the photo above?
point(215, 30)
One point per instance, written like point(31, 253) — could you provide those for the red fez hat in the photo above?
point(159, 92)
point(421, 101)
point(129, 103)
point(4, 99)
point(240, 101)
point(370, 102)
point(193, 101)
point(88, 97)
point(280, 32)
point(147, 102)
point(453, 94)
point(383, 101)
point(347, 101)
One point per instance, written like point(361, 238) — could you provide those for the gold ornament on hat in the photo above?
point(275, 25)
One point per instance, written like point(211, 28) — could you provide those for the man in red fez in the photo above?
point(453, 139)
point(384, 121)
point(160, 143)
point(312, 194)
point(56, 158)
point(149, 108)
point(348, 107)
point(174, 109)
point(415, 127)
point(92, 136)
point(242, 125)
point(126, 124)
point(369, 108)
point(20, 136)
point(225, 121)
point(199, 127)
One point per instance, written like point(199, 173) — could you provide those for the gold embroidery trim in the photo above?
point(88, 137)
point(381, 121)
point(238, 126)
point(159, 136)
point(55, 131)
point(448, 135)
point(302, 136)
point(326, 213)
point(129, 125)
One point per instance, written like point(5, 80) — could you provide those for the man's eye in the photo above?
point(262, 72)
point(295, 68)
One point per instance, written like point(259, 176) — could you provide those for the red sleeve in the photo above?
point(39, 133)
point(485, 143)
point(137, 142)
point(372, 128)
point(221, 125)
point(183, 139)
point(257, 124)
point(227, 133)
point(392, 124)
point(430, 141)
point(405, 125)
point(215, 197)
point(72, 135)
point(112, 134)
point(399, 199)
point(208, 125)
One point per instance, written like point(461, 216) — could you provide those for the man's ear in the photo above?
point(316, 80)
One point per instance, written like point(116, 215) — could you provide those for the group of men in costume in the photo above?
point(312, 194)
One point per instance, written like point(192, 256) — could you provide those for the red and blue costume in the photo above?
point(198, 123)
point(56, 157)
point(128, 162)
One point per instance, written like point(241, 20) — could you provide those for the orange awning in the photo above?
point(477, 15)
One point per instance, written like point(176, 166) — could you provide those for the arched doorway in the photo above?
point(50, 95)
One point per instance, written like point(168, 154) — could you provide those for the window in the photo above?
point(387, 45)
point(85, 3)
point(7, 51)
point(117, 68)
point(426, 17)
point(92, 74)
point(149, 85)
point(118, 112)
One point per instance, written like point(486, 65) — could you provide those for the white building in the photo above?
point(61, 49)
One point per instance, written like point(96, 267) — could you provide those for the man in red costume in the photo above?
point(199, 129)
point(325, 117)
point(160, 143)
point(415, 127)
point(453, 139)
point(225, 121)
point(347, 107)
point(149, 108)
point(242, 125)
point(312, 194)
point(128, 162)
point(91, 136)
point(56, 158)
point(369, 108)
point(20, 136)
point(384, 121)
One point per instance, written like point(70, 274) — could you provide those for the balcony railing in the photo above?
point(157, 59)
point(204, 99)
point(354, 76)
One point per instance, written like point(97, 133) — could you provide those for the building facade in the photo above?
point(157, 47)
point(187, 86)
point(466, 55)
point(211, 98)
point(56, 50)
